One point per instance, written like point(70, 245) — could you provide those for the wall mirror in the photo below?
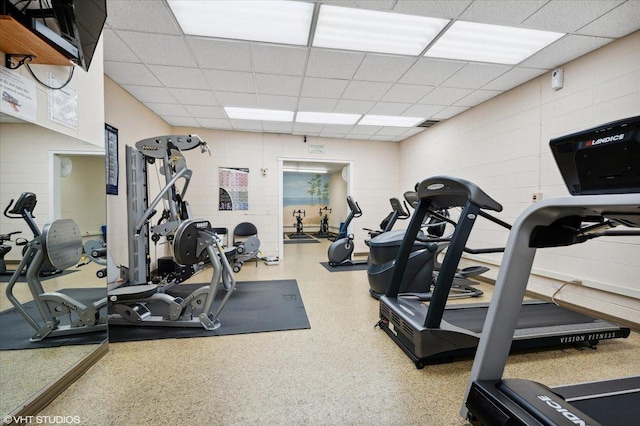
point(66, 176)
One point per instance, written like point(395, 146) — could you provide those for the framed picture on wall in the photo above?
point(111, 163)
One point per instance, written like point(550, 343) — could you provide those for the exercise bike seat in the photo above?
point(132, 292)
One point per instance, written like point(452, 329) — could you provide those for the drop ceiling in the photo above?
point(188, 80)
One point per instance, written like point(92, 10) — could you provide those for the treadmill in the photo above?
point(601, 167)
point(438, 333)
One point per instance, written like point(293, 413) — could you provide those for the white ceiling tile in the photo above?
point(618, 22)
point(444, 96)
point(323, 87)
point(268, 59)
point(167, 109)
point(332, 63)
point(181, 121)
point(183, 78)
point(477, 97)
point(277, 127)
point(174, 50)
point(287, 103)
point(366, 130)
point(357, 136)
point(141, 15)
point(475, 75)
point(383, 138)
point(195, 97)
point(151, 94)
point(500, 12)
point(307, 127)
point(567, 16)
point(271, 84)
point(513, 78)
point(413, 131)
point(127, 73)
point(115, 49)
point(449, 112)
point(347, 106)
point(317, 104)
point(254, 125)
point(221, 54)
point(235, 99)
point(431, 72)
point(448, 9)
point(406, 93)
point(366, 90)
point(389, 108)
point(423, 110)
point(199, 111)
point(564, 50)
point(230, 81)
point(342, 129)
point(214, 123)
point(383, 68)
point(391, 131)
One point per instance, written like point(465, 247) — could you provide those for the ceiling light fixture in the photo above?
point(258, 114)
point(304, 170)
point(471, 41)
point(285, 22)
point(326, 117)
point(389, 121)
point(374, 31)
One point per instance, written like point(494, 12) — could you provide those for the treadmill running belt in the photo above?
point(618, 410)
point(531, 316)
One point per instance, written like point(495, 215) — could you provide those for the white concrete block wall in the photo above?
point(503, 146)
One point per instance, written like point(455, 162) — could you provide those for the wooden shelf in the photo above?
point(15, 39)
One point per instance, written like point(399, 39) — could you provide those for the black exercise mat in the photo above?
point(342, 268)
point(301, 241)
point(299, 236)
point(15, 331)
point(23, 278)
point(254, 307)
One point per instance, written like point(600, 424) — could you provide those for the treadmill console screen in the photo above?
point(601, 160)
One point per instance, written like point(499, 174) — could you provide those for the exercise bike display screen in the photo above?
point(601, 160)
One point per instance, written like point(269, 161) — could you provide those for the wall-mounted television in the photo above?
point(72, 27)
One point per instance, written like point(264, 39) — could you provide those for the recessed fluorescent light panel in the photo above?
point(326, 118)
point(285, 22)
point(390, 121)
point(374, 31)
point(258, 114)
point(471, 41)
point(304, 170)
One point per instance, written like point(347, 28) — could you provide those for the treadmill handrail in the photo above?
point(447, 191)
point(511, 283)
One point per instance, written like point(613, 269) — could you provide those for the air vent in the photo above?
point(407, 329)
point(395, 319)
point(428, 123)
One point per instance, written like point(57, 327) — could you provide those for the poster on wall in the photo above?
point(111, 151)
point(234, 188)
point(18, 95)
point(63, 103)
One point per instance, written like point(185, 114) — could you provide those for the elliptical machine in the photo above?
point(422, 267)
point(341, 250)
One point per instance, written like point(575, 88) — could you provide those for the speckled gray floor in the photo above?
point(341, 371)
